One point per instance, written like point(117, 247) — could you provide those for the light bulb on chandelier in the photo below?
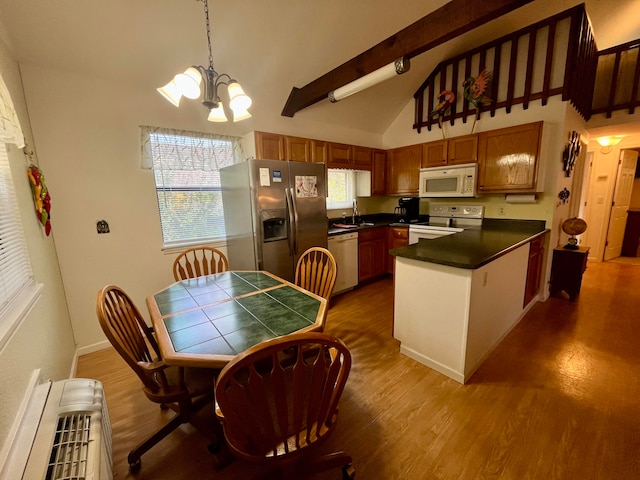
point(188, 84)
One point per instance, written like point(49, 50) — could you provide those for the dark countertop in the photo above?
point(475, 246)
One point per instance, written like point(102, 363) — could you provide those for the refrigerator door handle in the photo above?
point(290, 214)
point(295, 224)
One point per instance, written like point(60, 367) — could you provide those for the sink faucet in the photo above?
point(355, 212)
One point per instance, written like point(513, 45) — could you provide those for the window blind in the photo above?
point(15, 267)
point(186, 168)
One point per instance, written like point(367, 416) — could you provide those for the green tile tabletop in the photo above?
point(206, 321)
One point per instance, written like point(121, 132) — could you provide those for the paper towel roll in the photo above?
point(529, 198)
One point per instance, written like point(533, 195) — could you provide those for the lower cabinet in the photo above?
point(372, 253)
point(396, 237)
point(567, 267)
point(534, 270)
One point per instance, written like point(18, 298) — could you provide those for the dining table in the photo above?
point(206, 321)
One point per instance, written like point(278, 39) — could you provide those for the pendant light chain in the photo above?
point(206, 14)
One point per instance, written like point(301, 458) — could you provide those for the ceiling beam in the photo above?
point(441, 25)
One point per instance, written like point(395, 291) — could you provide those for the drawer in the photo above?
point(370, 234)
point(399, 232)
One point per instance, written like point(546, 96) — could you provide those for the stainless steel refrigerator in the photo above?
point(274, 211)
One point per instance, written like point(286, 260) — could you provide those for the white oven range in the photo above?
point(446, 220)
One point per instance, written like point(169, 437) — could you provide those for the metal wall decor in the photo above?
point(571, 152)
point(564, 195)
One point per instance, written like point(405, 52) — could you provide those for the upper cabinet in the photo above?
point(378, 172)
point(297, 149)
point(340, 155)
point(361, 157)
point(434, 154)
point(451, 151)
point(270, 146)
point(403, 169)
point(508, 159)
point(462, 150)
point(319, 151)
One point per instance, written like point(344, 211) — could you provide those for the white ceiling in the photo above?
point(269, 46)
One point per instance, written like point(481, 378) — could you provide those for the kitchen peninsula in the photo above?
point(457, 297)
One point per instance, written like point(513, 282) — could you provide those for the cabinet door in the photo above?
point(319, 153)
point(339, 155)
point(462, 150)
point(269, 146)
point(361, 157)
point(297, 149)
point(371, 253)
point(378, 172)
point(403, 169)
point(434, 154)
point(508, 159)
point(396, 237)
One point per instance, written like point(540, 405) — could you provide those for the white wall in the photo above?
point(44, 340)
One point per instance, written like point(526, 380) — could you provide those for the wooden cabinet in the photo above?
point(434, 154)
point(339, 155)
point(378, 172)
point(403, 169)
point(372, 253)
point(462, 150)
point(396, 237)
point(361, 157)
point(567, 267)
point(508, 159)
point(297, 149)
point(319, 151)
point(534, 270)
point(269, 146)
point(452, 151)
point(631, 242)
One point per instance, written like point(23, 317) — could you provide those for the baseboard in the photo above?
point(92, 348)
point(429, 362)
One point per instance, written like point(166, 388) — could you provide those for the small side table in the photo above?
point(567, 268)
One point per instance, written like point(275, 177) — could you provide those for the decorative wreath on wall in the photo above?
point(41, 197)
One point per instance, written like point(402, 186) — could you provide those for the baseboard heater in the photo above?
point(72, 438)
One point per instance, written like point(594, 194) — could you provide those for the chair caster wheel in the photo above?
point(164, 406)
point(348, 472)
point(135, 466)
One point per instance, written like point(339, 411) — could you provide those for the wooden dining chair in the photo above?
point(198, 261)
point(316, 271)
point(183, 390)
point(277, 408)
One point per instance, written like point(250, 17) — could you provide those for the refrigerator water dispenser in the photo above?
point(274, 225)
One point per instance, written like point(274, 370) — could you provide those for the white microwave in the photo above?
point(446, 182)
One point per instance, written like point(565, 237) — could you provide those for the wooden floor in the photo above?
point(558, 399)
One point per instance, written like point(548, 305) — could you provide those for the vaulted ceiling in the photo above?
point(269, 46)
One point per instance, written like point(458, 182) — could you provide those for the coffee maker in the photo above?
point(408, 209)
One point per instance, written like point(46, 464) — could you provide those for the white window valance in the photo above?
point(183, 150)
point(10, 130)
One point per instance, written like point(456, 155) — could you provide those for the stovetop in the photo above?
point(454, 217)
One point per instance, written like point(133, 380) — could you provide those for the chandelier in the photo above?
point(187, 85)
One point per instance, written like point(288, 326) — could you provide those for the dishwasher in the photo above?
point(344, 249)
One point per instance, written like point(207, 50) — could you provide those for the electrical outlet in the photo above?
point(501, 211)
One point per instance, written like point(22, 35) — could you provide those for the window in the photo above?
point(186, 168)
point(15, 268)
point(341, 188)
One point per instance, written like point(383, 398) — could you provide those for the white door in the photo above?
point(621, 198)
